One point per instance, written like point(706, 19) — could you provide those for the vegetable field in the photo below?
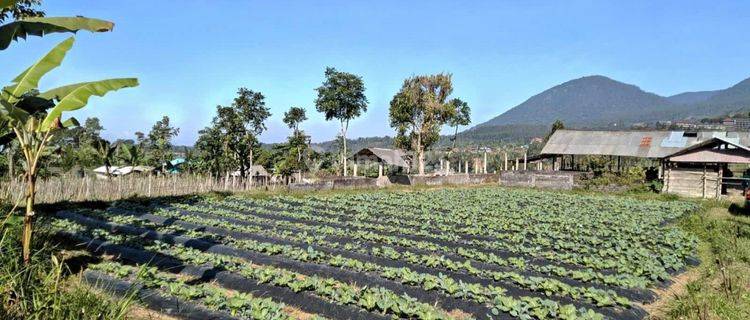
point(479, 253)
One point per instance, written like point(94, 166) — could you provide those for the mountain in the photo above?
point(595, 102)
point(731, 100)
point(588, 101)
point(692, 97)
point(600, 102)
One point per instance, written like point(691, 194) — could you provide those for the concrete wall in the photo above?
point(560, 180)
point(529, 179)
point(336, 183)
point(455, 179)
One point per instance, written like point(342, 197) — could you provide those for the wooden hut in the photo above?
point(702, 170)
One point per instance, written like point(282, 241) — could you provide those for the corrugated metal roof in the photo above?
point(714, 150)
point(644, 144)
point(394, 157)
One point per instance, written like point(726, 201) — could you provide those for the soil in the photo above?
point(657, 309)
point(138, 312)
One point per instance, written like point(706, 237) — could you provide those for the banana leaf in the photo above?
point(74, 97)
point(41, 26)
point(29, 79)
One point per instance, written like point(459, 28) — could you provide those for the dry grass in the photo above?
point(138, 312)
point(659, 308)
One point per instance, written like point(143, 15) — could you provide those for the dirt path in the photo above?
point(658, 308)
point(138, 312)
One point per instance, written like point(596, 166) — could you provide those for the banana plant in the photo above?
point(40, 26)
point(34, 117)
point(106, 152)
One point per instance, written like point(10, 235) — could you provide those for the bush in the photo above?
point(45, 289)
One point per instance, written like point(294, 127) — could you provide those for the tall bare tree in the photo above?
point(341, 97)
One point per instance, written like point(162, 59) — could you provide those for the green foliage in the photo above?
point(294, 117)
point(29, 79)
point(40, 26)
point(160, 142)
point(231, 140)
point(557, 125)
point(419, 110)
point(600, 242)
point(341, 97)
point(19, 9)
point(76, 96)
point(721, 286)
point(44, 288)
point(131, 154)
point(461, 117)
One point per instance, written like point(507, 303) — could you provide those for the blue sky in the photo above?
point(191, 55)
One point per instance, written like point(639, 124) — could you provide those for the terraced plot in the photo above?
point(481, 253)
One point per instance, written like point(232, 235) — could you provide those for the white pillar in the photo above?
point(466, 166)
point(525, 158)
point(354, 173)
point(505, 156)
point(484, 165)
point(380, 169)
point(516, 168)
point(447, 167)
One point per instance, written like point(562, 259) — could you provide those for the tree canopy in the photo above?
point(231, 139)
point(341, 97)
point(419, 110)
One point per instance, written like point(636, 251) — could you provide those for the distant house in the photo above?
point(692, 163)
point(384, 157)
point(257, 173)
point(119, 171)
point(254, 171)
point(175, 166)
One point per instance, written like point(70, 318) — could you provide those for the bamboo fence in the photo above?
point(92, 188)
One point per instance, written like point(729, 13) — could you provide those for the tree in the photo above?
point(297, 143)
point(461, 117)
point(557, 125)
point(160, 142)
point(211, 151)
point(419, 110)
point(341, 97)
point(294, 117)
point(20, 10)
point(240, 124)
point(90, 131)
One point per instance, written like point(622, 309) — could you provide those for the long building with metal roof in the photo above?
point(642, 144)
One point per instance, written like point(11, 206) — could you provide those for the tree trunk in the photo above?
point(28, 217)
point(11, 164)
point(420, 154)
point(344, 128)
point(455, 138)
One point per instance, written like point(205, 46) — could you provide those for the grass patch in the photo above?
point(46, 288)
point(720, 287)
